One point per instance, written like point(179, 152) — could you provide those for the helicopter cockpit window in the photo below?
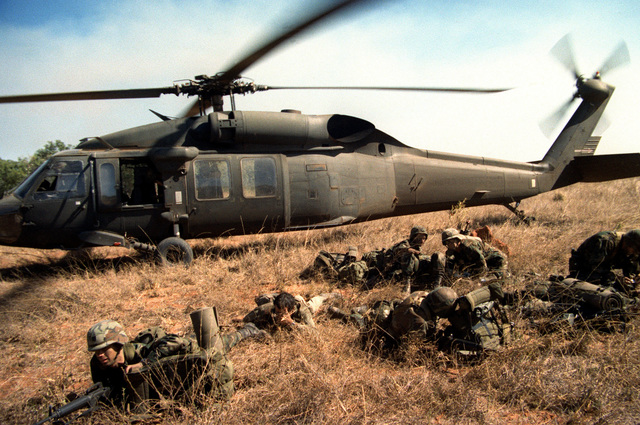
point(62, 179)
point(212, 179)
point(23, 188)
point(141, 183)
point(258, 177)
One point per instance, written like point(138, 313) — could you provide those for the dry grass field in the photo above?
point(49, 299)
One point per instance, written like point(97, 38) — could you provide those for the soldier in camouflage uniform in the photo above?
point(329, 264)
point(477, 319)
point(478, 322)
point(469, 256)
point(571, 301)
point(116, 359)
point(388, 322)
point(599, 255)
point(283, 310)
point(403, 260)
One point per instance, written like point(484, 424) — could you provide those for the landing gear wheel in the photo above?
point(174, 251)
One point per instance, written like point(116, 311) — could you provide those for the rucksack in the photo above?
point(185, 376)
point(177, 367)
point(487, 328)
point(354, 273)
point(374, 259)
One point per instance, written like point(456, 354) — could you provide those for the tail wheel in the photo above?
point(173, 251)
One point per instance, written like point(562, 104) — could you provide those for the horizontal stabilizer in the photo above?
point(589, 148)
point(600, 168)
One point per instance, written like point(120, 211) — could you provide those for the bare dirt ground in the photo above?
point(49, 299)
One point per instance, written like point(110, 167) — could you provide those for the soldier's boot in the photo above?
point(350, 256)
point(353, 318)
point(247, 331)
point(439, 278)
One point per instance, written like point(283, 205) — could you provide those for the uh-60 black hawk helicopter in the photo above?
point(240, 172)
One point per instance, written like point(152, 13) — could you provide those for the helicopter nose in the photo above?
point(10, 220)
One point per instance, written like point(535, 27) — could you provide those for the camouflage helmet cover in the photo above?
point(418, 230)
point(449, 234)
point(441, 300)
point(104, 334)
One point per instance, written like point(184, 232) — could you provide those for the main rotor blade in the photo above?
point(563, 52)
point(90, 95)
point(195, 106)
point(234, 72)
point(619, 57)
point(191, 110)
point(430, 89)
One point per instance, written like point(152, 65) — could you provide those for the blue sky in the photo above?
point(27, 13)
point(54, 46)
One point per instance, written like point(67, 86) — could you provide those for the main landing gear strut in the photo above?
point(526, 219)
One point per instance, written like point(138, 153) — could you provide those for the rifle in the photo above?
point(89, 401)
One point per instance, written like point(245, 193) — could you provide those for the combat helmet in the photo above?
point(632, 238)
point(104, 334)
point(417, 230)
point(449, 234)
point(441, 300)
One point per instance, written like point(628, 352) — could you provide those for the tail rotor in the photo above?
point(585, 87)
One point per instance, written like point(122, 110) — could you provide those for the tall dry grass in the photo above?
point(48, 300)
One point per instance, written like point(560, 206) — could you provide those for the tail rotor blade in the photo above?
point(619, 57)
point(549, 124)
point(563, 52)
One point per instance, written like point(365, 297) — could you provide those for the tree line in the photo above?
point(12, 173)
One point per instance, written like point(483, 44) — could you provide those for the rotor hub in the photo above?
point(593, 89)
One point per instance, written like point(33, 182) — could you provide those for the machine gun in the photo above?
point(88, 401)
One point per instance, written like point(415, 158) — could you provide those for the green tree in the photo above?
point(45, 152)
point(13, 173)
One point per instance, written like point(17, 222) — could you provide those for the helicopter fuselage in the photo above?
point(174, 186)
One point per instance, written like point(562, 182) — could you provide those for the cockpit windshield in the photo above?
point(58, 178)
point(22, 190)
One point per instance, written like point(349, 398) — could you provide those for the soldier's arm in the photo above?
point(133, 367)
point(477, 262)
point(599, 251)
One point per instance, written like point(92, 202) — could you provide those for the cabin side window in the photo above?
point(108, 193)
point(212, 179)
point(64, 179)
point(258, 177)
point(141, 183)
